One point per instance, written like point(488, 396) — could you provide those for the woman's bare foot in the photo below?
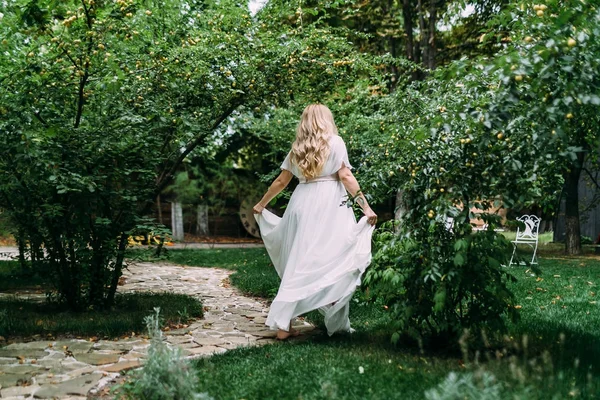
point(283, 335)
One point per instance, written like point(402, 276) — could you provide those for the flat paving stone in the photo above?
point(42, 345)
point(122, 366)
point(78, 387)
point(25, 353)
point(23, 369)
point(207, 350)
point(208, 341)
point(7, 381)
point(17, 391)
point(98, 358)
point(108, 345)
point(74, 347)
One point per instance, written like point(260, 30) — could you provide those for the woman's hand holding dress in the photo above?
point(258, 208)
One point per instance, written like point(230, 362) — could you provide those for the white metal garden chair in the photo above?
point(528, 236)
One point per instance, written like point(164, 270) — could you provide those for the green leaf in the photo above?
point(459, 259)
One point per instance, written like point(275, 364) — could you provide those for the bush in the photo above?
point(165, 375)
point(437, 283)
point(586, 240)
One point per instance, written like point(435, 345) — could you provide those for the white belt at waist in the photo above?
point(326, 178)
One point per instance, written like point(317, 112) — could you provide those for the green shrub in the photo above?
point(586, 240)
point(438, 282)
point(165, 375)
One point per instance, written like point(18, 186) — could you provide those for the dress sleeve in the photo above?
point(287, 163)
point(341, 155)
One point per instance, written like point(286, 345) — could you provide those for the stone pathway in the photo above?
point(72, 368)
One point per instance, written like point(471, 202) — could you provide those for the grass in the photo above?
point(319, 369)
point(26, 318)
point(547, 246)
point(559, 318)
point(561, 300)
point(12, 277)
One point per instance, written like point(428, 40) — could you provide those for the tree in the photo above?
point(550, 79)
point(102, 101)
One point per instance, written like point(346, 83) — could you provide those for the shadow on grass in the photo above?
point(27, 318)
point(13, 277)
point(568, 348)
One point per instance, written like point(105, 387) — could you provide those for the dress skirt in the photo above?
point(320, 253)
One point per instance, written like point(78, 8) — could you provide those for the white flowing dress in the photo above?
point(318, 249)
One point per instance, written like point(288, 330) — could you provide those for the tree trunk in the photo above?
point(177, 221)
point(159, 208)
point(117, 271)
point(422, 33)
point(399, 209)
point(22, 250)
point(572, 229)
point(408, 29)
point(431, 45)
point(202, 220)
point(393, 45)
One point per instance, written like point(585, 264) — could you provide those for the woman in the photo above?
point(318, 249)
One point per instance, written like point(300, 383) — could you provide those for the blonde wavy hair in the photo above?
point(311, 147)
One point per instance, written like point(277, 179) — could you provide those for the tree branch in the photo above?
point(86, 72)
point(40, 118)
point(592, 178)
point(167, 172)
point(88, 17)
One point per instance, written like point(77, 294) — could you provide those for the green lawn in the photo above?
point(560, 358)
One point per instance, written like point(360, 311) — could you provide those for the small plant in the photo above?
point(467, 386)
point(184, 316)
point(165, 375)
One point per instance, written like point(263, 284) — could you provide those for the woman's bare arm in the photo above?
point(352, 186)
point(276, 187)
